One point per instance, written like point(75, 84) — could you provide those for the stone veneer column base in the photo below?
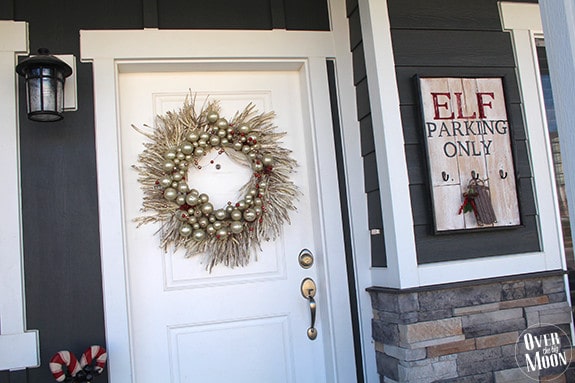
point(464, 332)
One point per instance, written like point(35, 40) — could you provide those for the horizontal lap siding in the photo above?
point(457, 38)
point(368, 149)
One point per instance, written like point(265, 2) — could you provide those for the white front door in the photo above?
point(246, 324)
point(167, 318)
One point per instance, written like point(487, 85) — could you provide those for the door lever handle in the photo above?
point(308, 290)
point(312, 331)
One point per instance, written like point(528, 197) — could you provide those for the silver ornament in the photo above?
point(207, 208)
point(191, 199)
point(238, 146)
point(217, 225)
point(241, 205)
point(222, 233)
point(168, 166)
point(199, 151)
point(222, 133)
point(180, 200)
point(236, 215)
point(187, 148)
point(203, 221)
point(214, 140)
point(204, 198)
point(267, 160)
point(183, 216)
point(193, 136)
point(250, 215)
point(222, 123)
point(236, 227)
point(220, 214)
point(177, 176)
point(183, 187)
point(170, 194)
point(258, 166)
point(170, 155)
point(199, 235)
point(185, 230)
point(212, 117)
point(211, 230)
point(244, 128)
point(165, 182)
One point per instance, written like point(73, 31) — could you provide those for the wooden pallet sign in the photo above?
point(467, 136)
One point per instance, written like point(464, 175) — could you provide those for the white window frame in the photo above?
point(19, 348)
point(402, 270)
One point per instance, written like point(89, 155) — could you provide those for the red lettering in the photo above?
point(445, 105)
point(482, 104)
point(460, 107)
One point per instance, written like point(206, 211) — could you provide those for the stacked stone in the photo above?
point(464, 333)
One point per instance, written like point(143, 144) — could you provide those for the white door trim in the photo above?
point(18, 346)
point(113, 51)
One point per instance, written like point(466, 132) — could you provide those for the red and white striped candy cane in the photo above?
point(96, 353)
point(64, 358)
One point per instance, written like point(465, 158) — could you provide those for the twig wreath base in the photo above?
point(228, 234)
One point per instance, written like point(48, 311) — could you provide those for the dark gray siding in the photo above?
point(58, 164)
point(458, 38)
point(444, 38)
point(368, 150)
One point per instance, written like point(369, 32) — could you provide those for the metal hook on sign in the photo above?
point(445, 176)
point(502, 174)
point(474, 175)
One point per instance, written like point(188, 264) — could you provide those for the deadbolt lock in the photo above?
point(305, 259)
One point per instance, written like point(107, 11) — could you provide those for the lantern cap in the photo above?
point(43, 59)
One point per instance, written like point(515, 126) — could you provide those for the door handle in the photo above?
point(308, 290)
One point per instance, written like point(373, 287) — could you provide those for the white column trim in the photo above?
point(18, 346)
point(353, 168)
point(401, 270)
point(558, 19)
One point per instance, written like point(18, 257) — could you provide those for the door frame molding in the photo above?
point(19, 347)
point(111, 52)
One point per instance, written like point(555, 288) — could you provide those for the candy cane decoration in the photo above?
point(64, 358)
point(96, 353)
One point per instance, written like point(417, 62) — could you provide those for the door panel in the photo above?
point(243, 324)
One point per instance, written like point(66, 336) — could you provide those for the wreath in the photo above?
point(225, 234)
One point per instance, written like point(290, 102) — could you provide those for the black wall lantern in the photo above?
point(45, 77)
